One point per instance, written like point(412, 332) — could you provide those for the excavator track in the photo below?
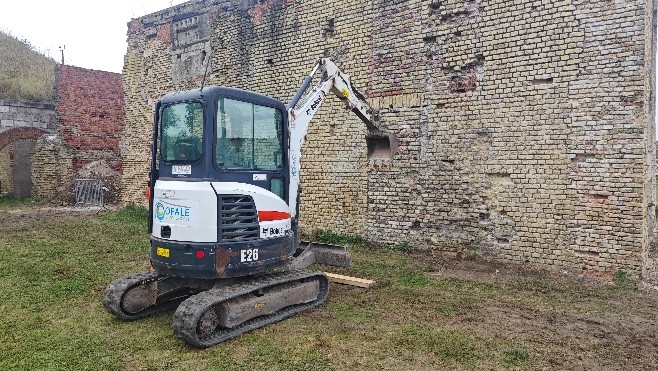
point(198, 319)
point(137, 296)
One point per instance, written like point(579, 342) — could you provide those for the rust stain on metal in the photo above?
point(283, 253)
point(222, 259)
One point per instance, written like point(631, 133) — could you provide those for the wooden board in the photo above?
point(347, 280)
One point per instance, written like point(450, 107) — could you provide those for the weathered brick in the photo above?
point(522, 126)
point(90, 114)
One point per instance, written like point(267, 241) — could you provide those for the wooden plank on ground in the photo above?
point(347, 280)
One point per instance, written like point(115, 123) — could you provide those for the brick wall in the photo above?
point(90, 113)
point(52, 168)
point(524, 129)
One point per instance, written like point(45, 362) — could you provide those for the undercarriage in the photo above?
point(212, 311)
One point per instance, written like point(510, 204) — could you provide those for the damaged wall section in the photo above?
point(90, 115)
point(90, 118)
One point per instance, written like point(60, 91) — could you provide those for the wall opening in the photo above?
point(379, 147)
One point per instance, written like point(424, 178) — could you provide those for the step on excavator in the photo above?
point(223, 211)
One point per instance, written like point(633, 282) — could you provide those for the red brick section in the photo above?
point(90, 112)
point(164, 33)
point(12, 135)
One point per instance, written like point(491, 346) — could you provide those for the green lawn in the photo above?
point(11, 203)
point(54, 266)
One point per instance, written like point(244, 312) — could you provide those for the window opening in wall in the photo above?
point(379, 148)
point(429, 39)
point(545, 81)
point(435, 8)
point(328, 30)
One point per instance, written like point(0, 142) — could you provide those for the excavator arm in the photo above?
point(306, 103)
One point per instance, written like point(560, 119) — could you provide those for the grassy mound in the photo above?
point(25, 73)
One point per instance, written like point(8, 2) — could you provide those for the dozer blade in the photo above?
point(321, 253)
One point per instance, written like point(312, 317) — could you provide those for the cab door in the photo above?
point(249, 144)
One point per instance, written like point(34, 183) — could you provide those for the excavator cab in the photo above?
point(222, 134)
point(218, 179)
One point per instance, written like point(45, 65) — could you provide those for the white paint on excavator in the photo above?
point(190, 209)
point(196, 204)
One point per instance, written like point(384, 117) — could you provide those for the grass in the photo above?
point(52, 276)
point(516, 356)
point(7, 202)
point(25, 72)
point(334, 238)
point(622, 280)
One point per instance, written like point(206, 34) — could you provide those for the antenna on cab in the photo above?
point(204, 56)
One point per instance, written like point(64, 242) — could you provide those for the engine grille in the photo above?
point(238, 218)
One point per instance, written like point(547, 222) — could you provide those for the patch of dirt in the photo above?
point(29, 217)
point(483, 269)
point(577, 321)
point(564, 340)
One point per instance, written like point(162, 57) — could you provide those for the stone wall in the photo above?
point(27, 114)
point(24, 122)
point(524, 129)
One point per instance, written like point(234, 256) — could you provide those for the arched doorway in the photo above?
point(16, 146)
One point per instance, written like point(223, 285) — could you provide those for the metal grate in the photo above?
point(238, 218)
point(88, 192)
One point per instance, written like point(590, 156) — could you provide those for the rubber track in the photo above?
point(188, 314)
point(115, 291)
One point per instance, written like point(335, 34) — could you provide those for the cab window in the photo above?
point(249, 136)
point(182, 132)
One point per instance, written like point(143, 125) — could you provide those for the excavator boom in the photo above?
point(306, 103)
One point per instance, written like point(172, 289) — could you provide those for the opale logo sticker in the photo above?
point(164, 210)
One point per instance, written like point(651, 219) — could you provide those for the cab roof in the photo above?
point(211, 93)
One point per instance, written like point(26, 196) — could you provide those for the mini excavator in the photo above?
point(223, 211)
